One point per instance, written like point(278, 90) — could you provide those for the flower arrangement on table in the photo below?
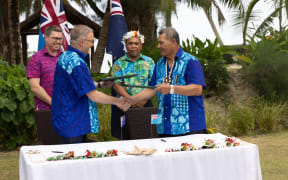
point(231, 141)
point(184, 147)
point(89, 154)
point(209, 144)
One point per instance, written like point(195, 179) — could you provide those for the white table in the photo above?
point(237, 163)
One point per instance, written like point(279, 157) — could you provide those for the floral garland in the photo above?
point(89, 154)
point(208, 144)
point(231, 141)
point(136, 34)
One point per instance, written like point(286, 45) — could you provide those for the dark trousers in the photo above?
point(74, 140)
point(116, 113)
point(204, 131)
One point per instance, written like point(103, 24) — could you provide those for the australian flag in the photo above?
point(53, 14)
point(117, 28)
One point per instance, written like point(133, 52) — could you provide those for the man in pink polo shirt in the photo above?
point(41, 68)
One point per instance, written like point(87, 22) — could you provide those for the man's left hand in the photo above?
point(163, 88)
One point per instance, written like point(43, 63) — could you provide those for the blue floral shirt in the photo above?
point(180, 114)
point(73, 113)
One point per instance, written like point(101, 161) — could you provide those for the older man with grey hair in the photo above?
point(74, 110)
point(179, 81)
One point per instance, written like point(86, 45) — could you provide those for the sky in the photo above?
point(188, 23)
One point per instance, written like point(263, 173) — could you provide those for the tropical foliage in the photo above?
point(17, 124)
point(267, 64)
point(248, 18)
point(213, 63)
point(251, 117)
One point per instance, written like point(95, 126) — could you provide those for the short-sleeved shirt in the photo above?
point(180, 114)
point(143, 66)
point(73, 113)
point(42, 65)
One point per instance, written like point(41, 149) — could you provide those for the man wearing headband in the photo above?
point(132, 62)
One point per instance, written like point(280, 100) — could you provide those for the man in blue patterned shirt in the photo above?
point(133, 62)
point(179, 81)
point(74, 110)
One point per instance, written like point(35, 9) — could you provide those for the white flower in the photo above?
point(130, 34)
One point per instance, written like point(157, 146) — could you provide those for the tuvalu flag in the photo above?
point(117, 28)
point(122, 120)
point(53, 14)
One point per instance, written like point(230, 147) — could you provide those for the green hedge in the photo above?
point(17, 124)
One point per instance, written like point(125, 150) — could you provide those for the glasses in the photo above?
point(56, 39)
point(91, 41)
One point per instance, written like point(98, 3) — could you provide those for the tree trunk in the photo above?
point(4, 38)
point(280, 16)
point(102, 40)
point(143, 21)
point(148, 26)
point(14, 32)
point(214, 28)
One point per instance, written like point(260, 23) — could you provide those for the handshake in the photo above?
point(124, 103)
point(139, 100)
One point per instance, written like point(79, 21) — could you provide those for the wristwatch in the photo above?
point(171, 89)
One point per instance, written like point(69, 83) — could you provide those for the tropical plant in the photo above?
point(208, 5)
point(247, 18)
point(213, 63)
point(267, 64)
point(17, 124)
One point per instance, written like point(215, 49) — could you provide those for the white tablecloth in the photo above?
point(237, 163)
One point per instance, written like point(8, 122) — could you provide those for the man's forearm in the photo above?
point(144, 95)
point(121, 91)
point(101, 98)
point(189, 90)
point(41, 94)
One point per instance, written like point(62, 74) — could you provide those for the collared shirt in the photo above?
point(73, 113)
point(42, 65)
point(180, 114)
point(143, 66)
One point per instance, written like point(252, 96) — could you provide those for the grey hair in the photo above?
point(171, 34)
point(79, 31)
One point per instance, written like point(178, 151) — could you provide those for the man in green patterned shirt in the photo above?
point(133, 62)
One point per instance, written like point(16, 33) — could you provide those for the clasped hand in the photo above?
point(163, 88)
point(124, 103)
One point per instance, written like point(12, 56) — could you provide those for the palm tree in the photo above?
point(10, 47)
point(246, 17)
point(100, 49)
point(208, 5)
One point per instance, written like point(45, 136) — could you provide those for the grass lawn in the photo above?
point(273, 150)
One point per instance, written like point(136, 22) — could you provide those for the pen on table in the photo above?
point(57, 152)
point(163, 140)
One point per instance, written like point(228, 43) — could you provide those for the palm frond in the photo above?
point(286, 7)
point(266, 23)
point(248, 16)
point(233, 4)
point(221, 18)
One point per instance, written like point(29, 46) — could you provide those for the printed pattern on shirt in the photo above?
point(75, 114)
point(42, 65)
point(143, 66)
point(177, 113)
